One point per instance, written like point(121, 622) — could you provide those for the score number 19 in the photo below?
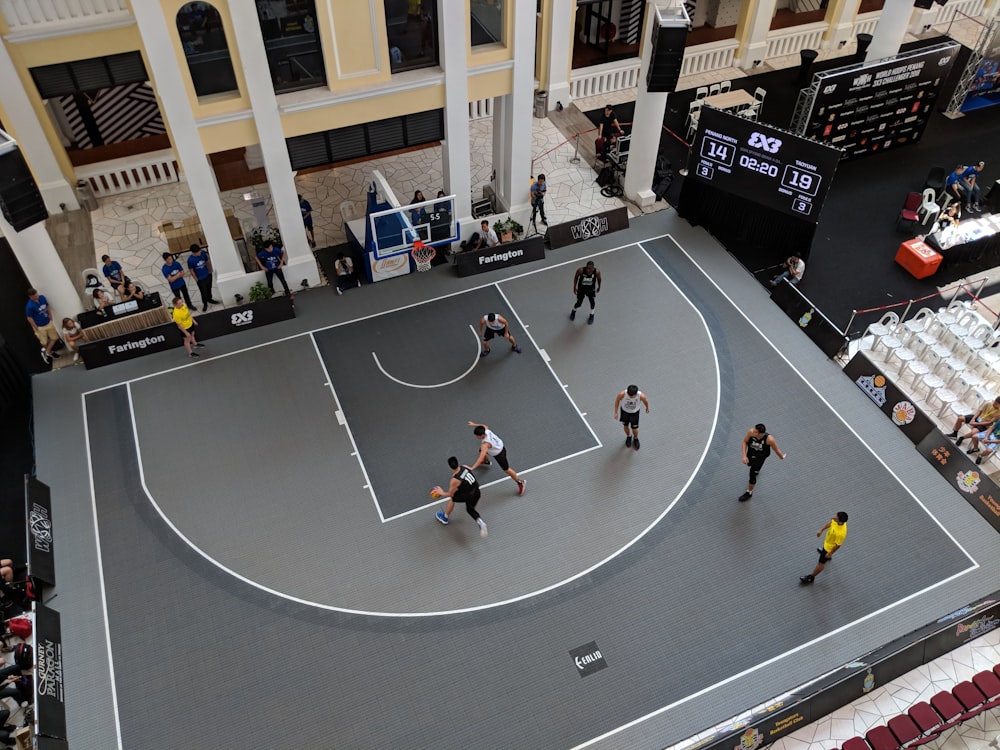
point(800, 180)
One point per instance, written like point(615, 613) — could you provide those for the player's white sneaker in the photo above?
point(482, 530)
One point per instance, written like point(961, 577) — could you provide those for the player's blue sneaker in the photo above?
point(484, 352)
point(516, 349)
point(441, 517)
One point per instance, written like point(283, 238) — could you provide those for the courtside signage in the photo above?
point(502, 256)
point(130, 345)
point(41, 556)
point(887, 396)
point(587, 228)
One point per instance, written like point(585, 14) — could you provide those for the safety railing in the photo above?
point(959, 8)
point(704, 58)
point(130, 173)
point(603, 79)
point(480, 109)
point(39, 18)
point(790, 41)
point(865, 23)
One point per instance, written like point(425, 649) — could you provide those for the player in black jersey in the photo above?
point(757, 445)
point(586, 283)
point(464, 488)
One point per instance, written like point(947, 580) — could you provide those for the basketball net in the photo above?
point(422, 255)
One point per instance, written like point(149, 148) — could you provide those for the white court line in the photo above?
point(548, 364)
point(842, 628)
point(100, 571)
point(314, 331)
point(482, 607)
point(343, 422)
point(472, 367)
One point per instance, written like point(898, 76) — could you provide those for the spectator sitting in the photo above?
point(418, 216)
point(794, 268)
point(133, 292)
point(72, 334)
point(102, 301)
point(970, 186)
point(953, 183)
point(489, 235)
point(113, 273)
point(951, 216)
point(345, 273)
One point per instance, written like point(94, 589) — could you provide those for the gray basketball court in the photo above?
point(255, 560)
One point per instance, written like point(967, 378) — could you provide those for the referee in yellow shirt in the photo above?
point(186, 322)
point(836, 533)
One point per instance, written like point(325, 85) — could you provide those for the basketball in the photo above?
point(436, 492)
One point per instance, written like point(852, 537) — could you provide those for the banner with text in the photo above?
point(38, 507)
point(50, 697)
point(587, 228)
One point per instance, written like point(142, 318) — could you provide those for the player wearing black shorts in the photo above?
point(586, 283)
point(757, 445)
point(464, 488)
point(627, 405)
point(494, 324)
point(491, 446)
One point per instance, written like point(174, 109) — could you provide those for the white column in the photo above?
point(40, 261)
point(30, 137)
point(455, 161)
point(646, 127)
point(198, 172)
point(755, 48)
point(890, 30)
point(561, 27)
point(512, 145)
point(842, 24)
point(277, 163)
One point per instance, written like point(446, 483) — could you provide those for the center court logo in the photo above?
point(759, 140)
point(588, 659)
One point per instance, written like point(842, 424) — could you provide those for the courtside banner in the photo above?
point(964, 475)
point(587, 228)
point(253, 315)
point(886, 396)
point(502, 256)
point(38, 508)
point(50, 699)
point(130, 345)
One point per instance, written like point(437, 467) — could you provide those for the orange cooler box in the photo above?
point(918, 258)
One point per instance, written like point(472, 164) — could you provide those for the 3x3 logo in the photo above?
point(759, 140)
point(242, 318)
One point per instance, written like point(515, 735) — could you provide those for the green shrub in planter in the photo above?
point(259, 292)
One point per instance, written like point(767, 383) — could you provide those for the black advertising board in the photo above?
point(870, 108)
point(130, 345)
point(797, 306)
point(50, 699)
point(886, 396)
point(762, 164)
point(252, 315)
point(970, 480)
point(38, 509)
point(50, 743)
point(962, 627)
point(595, 225)
point(527, 250)
point(167, 336)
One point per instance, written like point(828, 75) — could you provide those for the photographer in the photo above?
point(538, 188)
point(794, 268)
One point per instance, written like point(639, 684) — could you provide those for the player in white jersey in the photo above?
point(627, 405)
point(490, 444)
point(495, 324)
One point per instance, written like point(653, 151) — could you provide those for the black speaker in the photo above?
point(941, 2)
point(666, 57)
point(923, 4)
point(20, 202)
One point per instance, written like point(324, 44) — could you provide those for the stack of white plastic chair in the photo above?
point(885, 326)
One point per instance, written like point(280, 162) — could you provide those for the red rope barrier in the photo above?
point(960, 285)
point(686, 144)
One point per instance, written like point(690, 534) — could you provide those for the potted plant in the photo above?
point(259, 292)
point(507, 229)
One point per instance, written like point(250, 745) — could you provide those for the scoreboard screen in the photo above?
point(762, 164)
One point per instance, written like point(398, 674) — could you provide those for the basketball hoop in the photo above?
point(422, 255)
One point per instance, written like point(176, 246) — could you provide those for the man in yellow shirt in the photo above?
point(983, 419)
point(836, 533)
point(182, 317)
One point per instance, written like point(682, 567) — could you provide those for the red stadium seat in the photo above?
point(880, 738)
point(968, 695)
point(904, 729)
point(925, 717)
point(996, 670)
point(947, 705)
point(988, 684)
point(856, 743)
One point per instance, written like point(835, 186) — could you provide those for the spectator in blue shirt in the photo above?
point(114, 274)
point(173, 272)
point(200, 266)
point(271, 260)
point(953, 184)
point(970, 185)
point(538, 188)
point(307, 219)
point(39, 316)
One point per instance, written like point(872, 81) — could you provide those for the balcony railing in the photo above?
point(130, 173)
point(37, 19)
point(790, 41)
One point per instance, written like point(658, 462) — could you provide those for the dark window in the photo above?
point(370, 139)
point(291, 39)
point(206, 49)
point(79, 76)
point(487, 21)
point(411, 27)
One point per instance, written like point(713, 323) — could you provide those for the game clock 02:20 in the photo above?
point(762, 164)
